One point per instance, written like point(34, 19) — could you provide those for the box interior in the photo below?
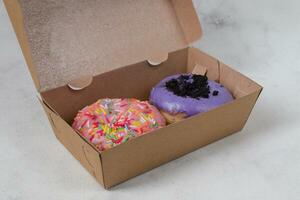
point(137, 80)
point(68, 40)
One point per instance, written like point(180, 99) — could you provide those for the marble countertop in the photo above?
point(260, 38)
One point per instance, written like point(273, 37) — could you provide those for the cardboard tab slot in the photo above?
point(81, 83)
point(157, 59)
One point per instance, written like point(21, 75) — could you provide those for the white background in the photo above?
point(260, 38)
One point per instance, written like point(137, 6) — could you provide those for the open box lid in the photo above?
point(67, 40)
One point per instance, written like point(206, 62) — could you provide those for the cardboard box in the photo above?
point(65, 41)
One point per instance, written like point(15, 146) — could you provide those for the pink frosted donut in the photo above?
point(110, 122)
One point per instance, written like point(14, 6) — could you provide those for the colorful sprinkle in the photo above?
point(110, 122)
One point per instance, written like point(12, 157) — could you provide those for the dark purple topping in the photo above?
point(194, 86)
point(215, 93)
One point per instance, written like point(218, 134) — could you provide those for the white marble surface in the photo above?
point(260, 38)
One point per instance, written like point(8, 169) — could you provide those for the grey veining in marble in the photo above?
point(260, 38)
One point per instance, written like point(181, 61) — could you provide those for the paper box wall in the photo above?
point(70, 42)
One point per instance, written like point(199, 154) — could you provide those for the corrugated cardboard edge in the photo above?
point(188, 19)
point(15, 14)
point(86, 154)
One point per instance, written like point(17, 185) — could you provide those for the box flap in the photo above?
point(70, 39)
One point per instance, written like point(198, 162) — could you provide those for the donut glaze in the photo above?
point(166, 101)
point(110, 122)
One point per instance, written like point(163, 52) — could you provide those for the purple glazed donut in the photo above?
point(183, 95)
